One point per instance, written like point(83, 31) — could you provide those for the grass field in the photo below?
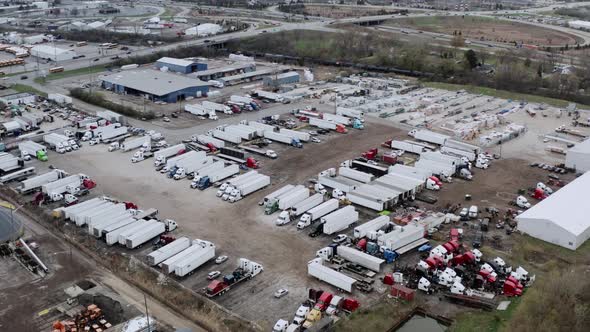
point(70, 73)
point(20, 88)
point(487, 28)
point(501, 94)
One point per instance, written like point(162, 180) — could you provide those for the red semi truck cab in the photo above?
point(215, 287)
point(324, 301)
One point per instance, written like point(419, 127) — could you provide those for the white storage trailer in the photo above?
point(31, 148)
point(169, 250)
point(302, 136)
point(366, 200)
point(401, 236)
point(339, 182)
point(316, 268)
point(441, 158)
point(253, 185)
point(315, 122)
point(408, 147)
point(245, 134)
point(307, 204)
point(111, 211)
point(410, 171)
point(190, 263)
point(216, 107)
point(169, 152)
point(356, 256)
point(455, 144)
point(114, 133)
point(323, 209)
point(84, 217)
point(458, 152)
point(261, 126)
point(436, 168)
point(355, 175)
point(242, 178)
point(196, 109)
point(107, 220)
point(295, 196)
point(337, 119)
point(149, 232)
point(428, 136)
point(31, 184)
point(339, 219)
point(370, 226)
point(224, 173)
point(351, 113)
point(112, 236)
point(278, 137)
point(79, 213)
point(211, 168)
point(169, 265)
point(229, 137)
point(206, 139)
point(123, 236)
point(68, 211)
point(136, 143)
point(185, 157)
point(104, 230)
point(277, 193)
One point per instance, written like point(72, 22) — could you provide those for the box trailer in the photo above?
point(224, 173)
point(245, 134)
point(358, 257)
point(169, 265)
point(307, 204)
point(302, 136)
point(410, 171)
point(351, 113)
point(277, 193)
point(249, 187)
point(190, 263)
point(339, 182)
point(113, 134)
point(337, 119)
point(322, 209)
point(112, 210)
point(241, 99)
point(316, 268)
point(149, 232)
point(83, 217)
point(169, 250)
point(320, 123)
point(206, 139)
point(428, 136)
point(169, 151)
point(229, 137)
point(185, 158)
point(295, 196)
point(458, 152)
point(261, 126)
point(370, 226)
point(130, 232)
point(209, 169)
point(258, 131)
point(67, 211)
point(269, 95)
point(401, 236)
point(436, 168)
point(10, 164)
point(77, 216)
point(455, 144)
point(31, 148)
point(216, 107)
point(408, 147)
point(102, 230)
point(368, 168)
point(99, 225)
point(196, 109)
point(278, 137)
point(365, 200)
point(339, 220)
point(136, 143)
point(355, 175)
point(112, 237)
point(441, 158)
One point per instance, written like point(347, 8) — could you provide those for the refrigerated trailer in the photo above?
point(130, 232)
point(261, 126)
point(316, 268)
point(169, 250)
point(428, 136)
point(224, 173)
point(169, 152)
point(339, 220)
point(83, 218)
point(102, 231)
point(144, 235)
point(324, 124)
point(278, 137)
point(98, 226)
point(190, 263)
point(112, 236)
point(355, 175)
point(408, 147)
point(293, 197)
point(67, 211)
point(339, 182)
point(302, 136)
point(358, 257)
point(372, 225)
point(111, 211)
point(307, 204)
point(206, 139)
point(229, 137)
point(337, 119)
point(136, 143)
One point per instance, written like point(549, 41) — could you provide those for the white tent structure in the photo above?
point(205, 29)
point(561, 218)
point(578, 157)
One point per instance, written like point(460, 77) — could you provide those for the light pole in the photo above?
point(12, 211)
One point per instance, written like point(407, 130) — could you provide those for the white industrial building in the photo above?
point(578, 157)
point(579, 25)
point(205, 29)
point(51, 52)
point(561, 218)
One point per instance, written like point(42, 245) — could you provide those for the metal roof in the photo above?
point(565, 208)
point(228, 69)
point(582, 147)
point(153, 81)
point(177, 62)
point(247, 75)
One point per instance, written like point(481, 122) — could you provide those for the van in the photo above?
point(473, 212)
point(478, 239)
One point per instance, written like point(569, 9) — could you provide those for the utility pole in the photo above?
point(147, 315)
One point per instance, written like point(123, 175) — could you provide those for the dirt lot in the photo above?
point(487, 29)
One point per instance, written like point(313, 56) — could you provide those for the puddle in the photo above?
point(422, 323)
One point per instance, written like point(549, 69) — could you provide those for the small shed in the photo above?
point(403, 292)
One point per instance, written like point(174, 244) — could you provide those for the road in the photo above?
point(9, 224)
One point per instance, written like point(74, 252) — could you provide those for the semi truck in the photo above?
point(161, 155)
point(246, 270)
point(339, 220)
point(135, 143)
point(316, 268)
point(192, 166)
point(351, 113)
point(307, 204)
point(169, 250)
point(338, 119)
point(271, 202)
point(358, 257)
point(35, 183)
point(30, 148)
point(217, 107)
point(227, 136)
point(196, 109)
point(206, 139)
point(186, 265)
point(283, 139)
point(372, 225)
point(221, 174)
point(317, 212)
point(149, 232)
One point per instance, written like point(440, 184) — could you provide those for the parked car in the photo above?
point(316, 140)
point(281, 292)
point(220, 259)
point(166, 119)
point(464, 214)
point(340, 238)
point(213, 274)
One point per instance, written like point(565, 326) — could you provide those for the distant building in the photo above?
point(18, 98)
point(180, 65)
point(155, 85)
point(291, 77)
point(53, 53)
point(235, 69)
point(585, 25)
point(578, 157)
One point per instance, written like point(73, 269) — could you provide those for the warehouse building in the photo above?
point(561, 218)
point(239, 68)
point(578, 157)
point(290, 77)
point(155, 85)
point(52, 53)
point(246, 77)
point(180, 65)
point(18, 98)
